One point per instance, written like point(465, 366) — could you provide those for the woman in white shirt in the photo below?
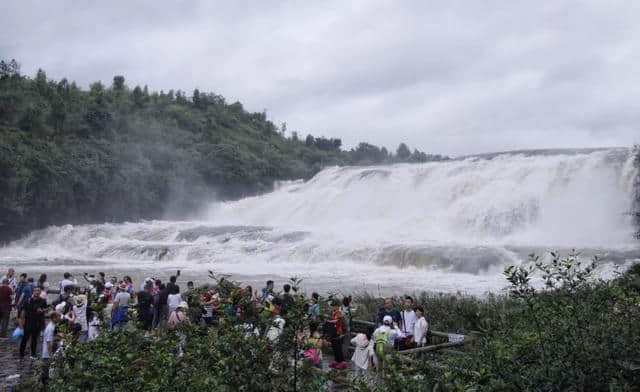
point(174, 299)
point(420, 327)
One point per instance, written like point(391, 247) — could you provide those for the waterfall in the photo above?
point(438, 225)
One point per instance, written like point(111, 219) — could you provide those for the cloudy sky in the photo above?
point(444, 76)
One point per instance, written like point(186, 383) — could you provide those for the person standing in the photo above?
point(388, 310)
point(10, 276)
point(145, 306)
point(360, 356)
point(277, 323)
point(314, 307)
point(22, 289)
point(68, 280)
point(173, 299)
point(80, 312)
point(172, 285)
point(120, 307)
point(179, 315)
point(421, 327)
point(267, 292)
point(384, 337)
point(345, 310)
point(44, 286)
point(48, 338)
point(337, 319)
point(32, 322)
point(157, 290)
point(6, 294)
point(407, 323)
point(287, 299)
point(163, 306)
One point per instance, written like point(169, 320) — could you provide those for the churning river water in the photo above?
point(440, 226)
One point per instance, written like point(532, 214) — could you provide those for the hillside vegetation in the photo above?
point(113, 153)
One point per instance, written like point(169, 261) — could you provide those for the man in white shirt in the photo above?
point(48, 338)
point(68, 280)
point(407, 323)
point(421, 327)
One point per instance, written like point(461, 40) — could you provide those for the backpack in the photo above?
point(382, 342)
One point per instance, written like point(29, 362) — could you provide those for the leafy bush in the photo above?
point(577, 333)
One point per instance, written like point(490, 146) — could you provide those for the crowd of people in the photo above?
point(84, 309)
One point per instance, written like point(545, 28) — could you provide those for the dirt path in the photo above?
point(10, 363)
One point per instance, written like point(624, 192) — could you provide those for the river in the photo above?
point(440, 226)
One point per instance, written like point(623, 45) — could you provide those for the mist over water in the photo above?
point(443, 226)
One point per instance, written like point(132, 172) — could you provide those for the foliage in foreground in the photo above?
point(576, 333)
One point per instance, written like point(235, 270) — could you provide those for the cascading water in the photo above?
point(442, 226)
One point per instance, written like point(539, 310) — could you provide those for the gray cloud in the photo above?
point(446, 77)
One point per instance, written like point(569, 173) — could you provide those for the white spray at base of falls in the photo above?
point(441, 225)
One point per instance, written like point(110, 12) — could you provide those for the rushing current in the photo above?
point(440, 226)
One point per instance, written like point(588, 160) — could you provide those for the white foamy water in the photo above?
point(443, 226)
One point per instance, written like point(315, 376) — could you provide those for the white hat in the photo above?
point(387, 320)
point(81, 299)
point(60, 307)
point(183, 305)
point(108, 285)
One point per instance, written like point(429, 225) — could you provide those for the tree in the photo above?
point(418, 156)
point(197, 102)
point(138, 97)
point(180, 97)
point(368, 154)
point(403, 153)
point(58, 113)
point(309, 141)
point(7, 70)
point(118, 83)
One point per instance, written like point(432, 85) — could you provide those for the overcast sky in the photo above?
point(446, 77)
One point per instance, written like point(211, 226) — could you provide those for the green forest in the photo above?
point(114, 153)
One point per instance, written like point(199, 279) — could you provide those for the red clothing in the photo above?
point(5, 297)
point(339, 327)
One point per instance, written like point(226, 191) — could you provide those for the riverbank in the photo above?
point(586, 336)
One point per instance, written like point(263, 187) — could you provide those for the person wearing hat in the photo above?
point(179, 315)
point(80, 310)
point(384, 337)
point(120, 307)
point(108, 292)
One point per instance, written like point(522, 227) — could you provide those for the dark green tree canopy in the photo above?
point(69, 155)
